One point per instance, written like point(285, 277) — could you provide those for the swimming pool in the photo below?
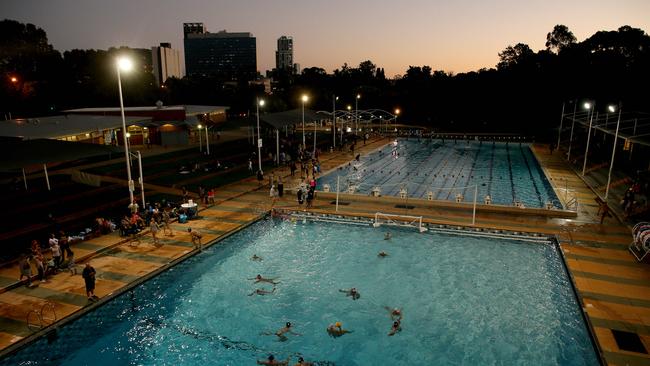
point(507, 172)
point(473, 301)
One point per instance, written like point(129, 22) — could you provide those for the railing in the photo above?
point(569, 197)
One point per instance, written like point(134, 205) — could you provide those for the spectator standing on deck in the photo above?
point(88, 275)
point(25, 269)
point(196, 238)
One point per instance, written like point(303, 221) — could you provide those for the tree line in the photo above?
point(523, 93)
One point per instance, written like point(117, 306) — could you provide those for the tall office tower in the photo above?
point(231, 56)
point(166, 63)
point(284, 54)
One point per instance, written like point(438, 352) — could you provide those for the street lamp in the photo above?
point(260, 103)
point(125, 64)
point(199, 126)
point(334, 99)
point(612, 109)
point(397, 111)
point(356, 113)
point(304, 98)
point(589, 107)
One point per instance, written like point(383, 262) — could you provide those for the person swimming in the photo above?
point(387, 236)
point(395, 313)
point(351, 292)
point(397, 327)
point(272, 362)
point(285, 330)
point(256, 258)
point(382, 254)
point(335, 330)
point(302, 362)
point(259, 278)
point(261, 291)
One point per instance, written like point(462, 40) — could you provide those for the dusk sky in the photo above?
point(456, 36)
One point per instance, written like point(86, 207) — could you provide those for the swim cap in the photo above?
point(338, 324)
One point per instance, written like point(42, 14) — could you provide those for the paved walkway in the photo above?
point(614, 288)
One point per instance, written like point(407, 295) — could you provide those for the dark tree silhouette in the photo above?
point(559, 38)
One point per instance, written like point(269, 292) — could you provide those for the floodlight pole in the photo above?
point(47, 178)
point(126, 143)
point(591, 120)
point(611, 164)
point(337, 192)
point(24, 179)
point(333, 121)
point(207, 142)
point(573, 122)
point(559, 132)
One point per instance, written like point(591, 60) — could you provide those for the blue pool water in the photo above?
point(507, 172)
point(466, 301)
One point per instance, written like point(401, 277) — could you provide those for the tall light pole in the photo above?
point(304, 98)
point(260, 103)
point(590, 107)
point(573, 122)
point(559, 131)
point(397, 111)
point(126, 65)
point(334, 99)
point(612, 109)
point(349, 109)
point(199, 126)
point(356, 113)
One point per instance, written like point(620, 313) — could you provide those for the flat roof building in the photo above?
point(166, 63)
point(231, 56)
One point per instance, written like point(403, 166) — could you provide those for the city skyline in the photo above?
point(460, 37)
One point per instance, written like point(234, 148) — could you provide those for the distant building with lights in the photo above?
point(284, 54)
point(231, 56)
point(166, 63)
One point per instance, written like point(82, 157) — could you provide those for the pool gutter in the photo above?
point(585, 317)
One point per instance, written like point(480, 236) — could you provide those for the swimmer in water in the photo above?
point(395, 313)
point(387, 236)
point(284, 330)
point(256, 258)
point(272, 362)
point(335, 330)
point(302, 362)
point(261, 291)
point(352, 292)
point(259, 278)
point(397, 327)
point(382, 254)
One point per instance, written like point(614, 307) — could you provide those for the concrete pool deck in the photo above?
point(613, 287)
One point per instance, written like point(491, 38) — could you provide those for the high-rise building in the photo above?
point(231, 56)
point(166, 63)
point(284, 54)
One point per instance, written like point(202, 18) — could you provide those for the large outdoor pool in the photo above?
point(507, 172)
point(465, 301)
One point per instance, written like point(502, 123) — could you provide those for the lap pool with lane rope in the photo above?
point(448, 170)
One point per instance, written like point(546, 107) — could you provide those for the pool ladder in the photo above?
point(37, 319)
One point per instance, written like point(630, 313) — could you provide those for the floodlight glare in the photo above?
point(125, 64)
point(262, 102)
point(611, 108)
point(587, 105)
point(305, 98)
